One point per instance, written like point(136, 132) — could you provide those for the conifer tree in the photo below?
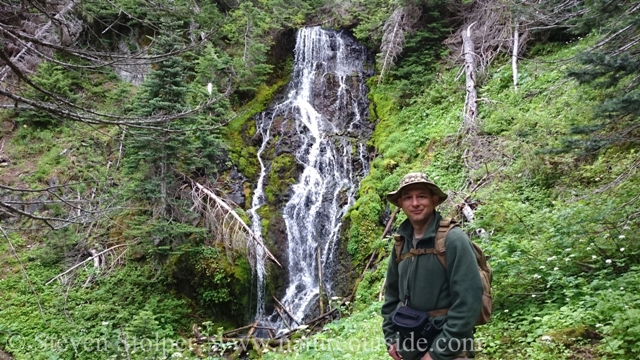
point(160, 158)
point(612, 66)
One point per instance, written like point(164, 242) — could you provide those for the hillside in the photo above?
point(116, 242)
point(556, 224)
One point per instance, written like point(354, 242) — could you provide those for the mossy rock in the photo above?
point(240, 132)
point(282, 175)
point(571, 335)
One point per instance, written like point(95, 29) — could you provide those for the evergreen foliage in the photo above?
point(186, 146)
point(611, 66)
point(423, 50)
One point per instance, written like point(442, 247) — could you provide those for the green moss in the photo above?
point(238, 133)
point(382, 102)
point(281, 177)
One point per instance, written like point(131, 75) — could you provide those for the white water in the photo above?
point(257, 201)
point(328, 70)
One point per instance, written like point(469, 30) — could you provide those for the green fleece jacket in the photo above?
point(428, 286)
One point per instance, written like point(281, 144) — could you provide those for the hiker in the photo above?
point(418, 283)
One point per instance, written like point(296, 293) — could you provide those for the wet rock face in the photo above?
point(236, 187)
point(312, 155)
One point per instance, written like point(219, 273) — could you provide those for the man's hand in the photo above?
point(393, 352)
point(427, 356)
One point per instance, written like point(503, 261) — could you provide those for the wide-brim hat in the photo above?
point(416, 178)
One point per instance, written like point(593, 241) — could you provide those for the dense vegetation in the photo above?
point(551, 174)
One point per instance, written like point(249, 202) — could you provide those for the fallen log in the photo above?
point(235, 331)
point(285, 310)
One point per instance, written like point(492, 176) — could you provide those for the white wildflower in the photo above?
point(608, 261)
point(594, 257)
point(621, 237)
point(542, 267)
point(598, 325)
point(506, 310)
point(621, 249)
point(552, 258)
point(589, 248)
point(546, 338)
point(621, 287)
point(533, 295)
point(556, 268)
point(536, 276)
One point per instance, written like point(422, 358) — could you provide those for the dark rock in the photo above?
point(236, 188)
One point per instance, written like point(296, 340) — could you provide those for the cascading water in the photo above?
point(324, 118)
point(256, 202)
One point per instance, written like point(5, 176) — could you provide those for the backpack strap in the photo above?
point(446, 224)
point(398, 246)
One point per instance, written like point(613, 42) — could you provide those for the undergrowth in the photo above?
point(560, 226)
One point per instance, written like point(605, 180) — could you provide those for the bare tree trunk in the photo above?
point(467, 212)
point(514, 56)
point(95, 257)
point(228, 210)
point(246, 42)
point(470, 106)
point(401, 21)
point(387, 54)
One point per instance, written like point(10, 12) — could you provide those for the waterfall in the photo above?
point(256, 202)
point(323, 119)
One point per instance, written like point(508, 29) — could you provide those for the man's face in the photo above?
point(417, 203)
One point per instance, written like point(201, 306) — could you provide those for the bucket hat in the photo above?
point(416, 178)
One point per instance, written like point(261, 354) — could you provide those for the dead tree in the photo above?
point(514, 56)
point(224, 223)
point(397, 25)
point(470, 124)
point(494, 31)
